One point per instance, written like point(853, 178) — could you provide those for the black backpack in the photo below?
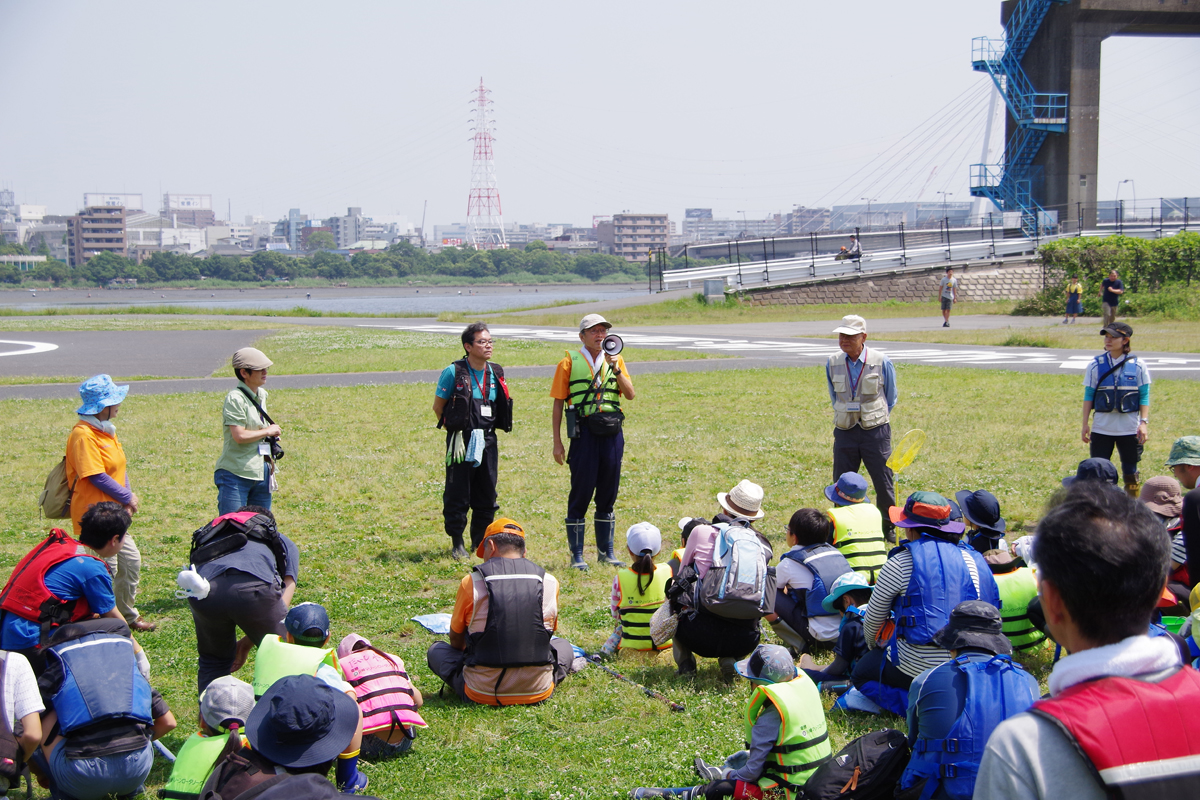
point(869, 768)
point(230, 532)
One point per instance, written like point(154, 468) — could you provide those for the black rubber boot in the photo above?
point(605, 529)
point(576, 530)
point(456, 547)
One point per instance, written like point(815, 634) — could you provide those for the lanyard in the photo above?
point(854, 381)
point(483, 392)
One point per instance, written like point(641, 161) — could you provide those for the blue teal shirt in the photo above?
point(445, 384)
point(75, 578)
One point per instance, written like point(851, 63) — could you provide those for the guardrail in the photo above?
point(786, 271)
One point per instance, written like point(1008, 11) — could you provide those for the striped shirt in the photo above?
point(890, 585)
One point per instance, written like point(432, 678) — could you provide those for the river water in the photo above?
point(424, 301)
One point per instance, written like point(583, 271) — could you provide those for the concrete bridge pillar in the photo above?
point(1065, 57)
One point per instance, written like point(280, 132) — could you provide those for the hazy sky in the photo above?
point(599, 107)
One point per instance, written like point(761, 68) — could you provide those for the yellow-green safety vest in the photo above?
point(278, 659)
point(858, 535)
point(582, 393)
point(803, 743)
point(637, 608)
point(193, 764)
point(1017, 590)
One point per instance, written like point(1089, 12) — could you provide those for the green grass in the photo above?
point(694, 311)
point(302, 350)
point(1168, 336)
point(361, 494)
point(133, 322)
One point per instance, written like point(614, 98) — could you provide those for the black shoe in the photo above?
point(945, 324)
point(459, 552)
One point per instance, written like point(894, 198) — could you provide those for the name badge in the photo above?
point(854, 406)
point(264, 449)
point(485, 411)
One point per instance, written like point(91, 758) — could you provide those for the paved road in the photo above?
point(190, 354)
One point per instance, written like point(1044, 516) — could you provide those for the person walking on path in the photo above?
point(96, 472)
point(245, 470)
point(591, 383)
point(948, 289)
point(1116, 386)
point(862, 388)
point(1111, 289)
point(1074, 300)
point(471, 402)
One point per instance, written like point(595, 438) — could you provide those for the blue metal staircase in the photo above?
point(1037, 114)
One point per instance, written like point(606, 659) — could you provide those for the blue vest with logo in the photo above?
point(996, 690)
point(100, 682)
point(827, 564)
point(940, 581)
point(1118, 392)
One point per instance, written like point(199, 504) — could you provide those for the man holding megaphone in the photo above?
point(591, 382)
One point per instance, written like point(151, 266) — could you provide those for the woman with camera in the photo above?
point(245, 471)
point(1116, 387)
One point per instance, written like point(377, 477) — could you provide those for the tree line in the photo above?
point(534, 263)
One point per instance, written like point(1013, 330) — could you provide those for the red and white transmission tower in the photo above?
point(484, 219)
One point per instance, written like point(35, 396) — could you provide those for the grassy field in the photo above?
point(694, 311)
point(304, 350)
point(1149, 335)
point(361, 495)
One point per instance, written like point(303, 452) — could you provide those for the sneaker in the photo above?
point(356, 785)
point(945, 324)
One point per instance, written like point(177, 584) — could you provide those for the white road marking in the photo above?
point(30, 347)
point(926, 355)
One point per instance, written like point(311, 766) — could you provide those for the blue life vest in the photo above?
point(100, 682)
point(940, 581)
point(1118, 392)
point(996, 690)
point(827, 564)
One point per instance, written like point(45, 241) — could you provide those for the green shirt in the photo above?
point(242, 460)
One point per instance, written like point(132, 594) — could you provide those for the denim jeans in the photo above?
point(234, 491)
point(121, 774)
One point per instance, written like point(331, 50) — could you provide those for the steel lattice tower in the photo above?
point(484, 219)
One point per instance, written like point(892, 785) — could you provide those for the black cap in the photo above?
point(974, 623)
point(1117, 329)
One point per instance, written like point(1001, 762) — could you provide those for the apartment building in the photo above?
point(96, 229)
point(634, 235)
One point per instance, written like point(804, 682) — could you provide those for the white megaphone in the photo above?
point(612, 344)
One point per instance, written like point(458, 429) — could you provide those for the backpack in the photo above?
point(239, 772)
point(739, 584)
point(230, 532)
point(55, 497)
point(868, 768)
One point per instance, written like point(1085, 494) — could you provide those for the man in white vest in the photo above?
point(862, 388)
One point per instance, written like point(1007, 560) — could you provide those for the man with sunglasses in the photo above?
point(471, 402)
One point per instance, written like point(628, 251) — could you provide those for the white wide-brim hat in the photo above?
point(743, 500)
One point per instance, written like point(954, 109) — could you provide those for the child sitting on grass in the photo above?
point(804, 576)
point(849, 594)
point(385, 694)
point(637, 591)
point(224, 706)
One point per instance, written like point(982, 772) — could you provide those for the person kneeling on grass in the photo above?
point(849, 594)
point(785, 728)
point(952, 709)
point(386, 697)
point(501, 650)
point(637, 592)
point(305, 653)
point(224, 707)
point(803, 578)
point(296, 732)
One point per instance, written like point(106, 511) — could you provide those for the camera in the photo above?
point(276, 448)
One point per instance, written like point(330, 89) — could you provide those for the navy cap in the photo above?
point(1093, 469)
point(850, 490)
point(307, 617)
point(981, 508)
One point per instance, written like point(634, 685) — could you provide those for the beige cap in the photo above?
point(591, 321)
point(251, 358)
point(852, 325)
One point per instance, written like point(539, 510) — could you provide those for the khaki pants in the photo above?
point(1110, 314)
point(126, 567)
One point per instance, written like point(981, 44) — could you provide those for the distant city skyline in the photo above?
point(648, 108)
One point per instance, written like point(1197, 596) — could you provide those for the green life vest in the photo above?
point(278, 659)
point(193, 764)
point(583, 393)
point(858, 534)
point(1017, 590)
point(803, 743)
point(637, 608)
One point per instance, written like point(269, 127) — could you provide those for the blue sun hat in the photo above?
point(98, 393)
point(846, 582)
point(850, 490)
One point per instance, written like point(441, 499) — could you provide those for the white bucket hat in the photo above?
point(852, 325)
point(743, 500)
